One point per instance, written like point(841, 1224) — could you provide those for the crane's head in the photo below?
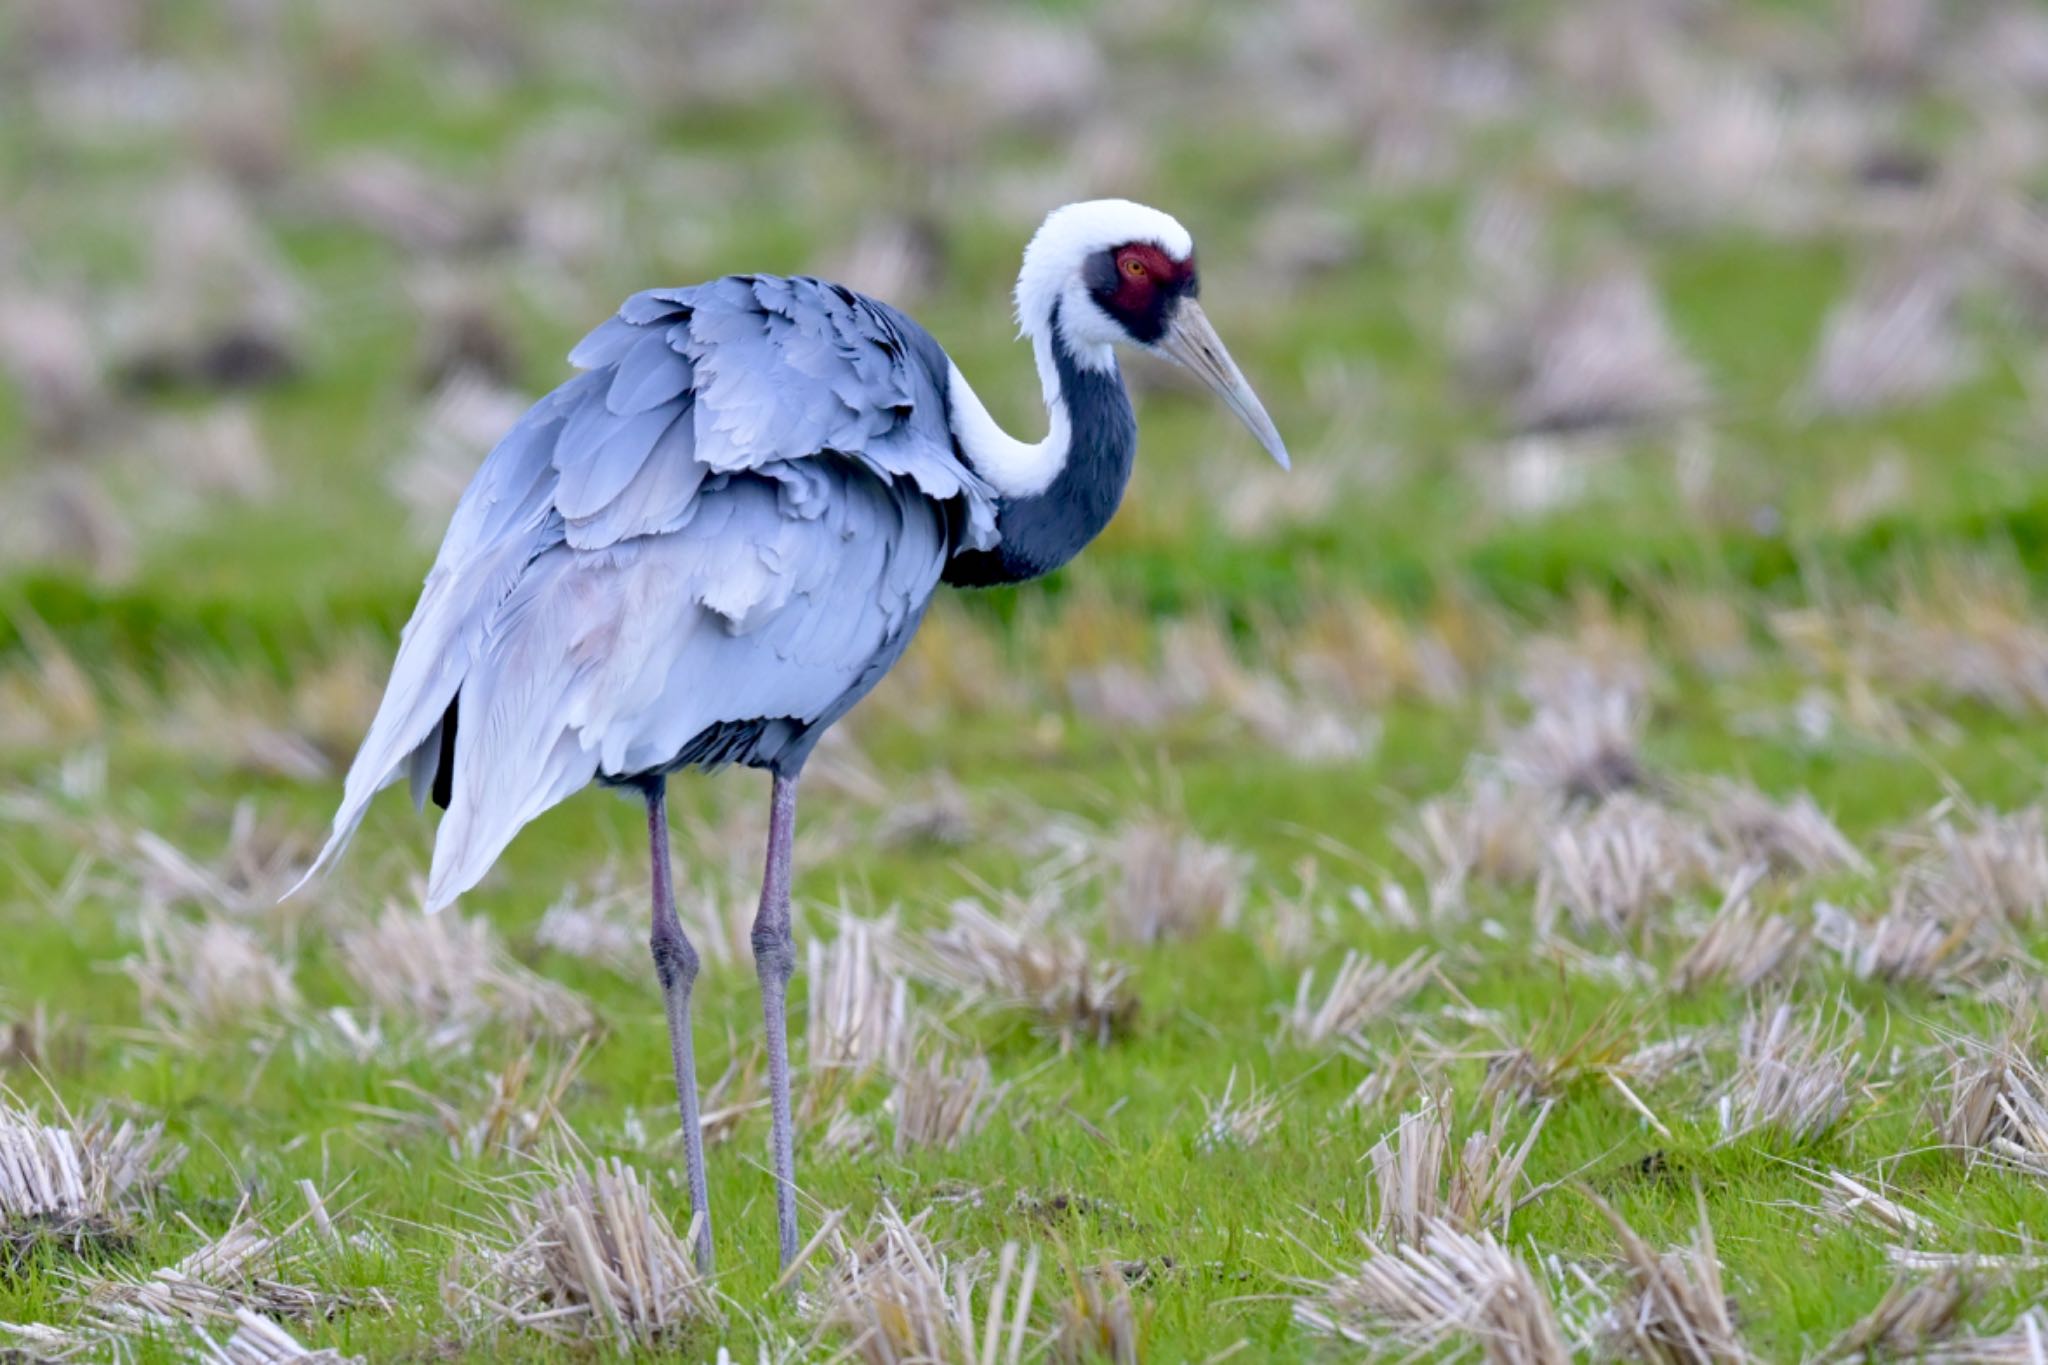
point(1108, 272)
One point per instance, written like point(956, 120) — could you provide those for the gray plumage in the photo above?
point(703, 549)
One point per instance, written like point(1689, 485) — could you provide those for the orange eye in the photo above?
point(1134, 267)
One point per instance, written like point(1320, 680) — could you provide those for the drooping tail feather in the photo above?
point(578, 657)
point(386, 756)
point(434, 654)
point(552, 653)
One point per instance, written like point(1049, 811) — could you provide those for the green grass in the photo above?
point(1239, 1228)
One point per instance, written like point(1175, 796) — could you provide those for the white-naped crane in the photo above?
point(709, 545)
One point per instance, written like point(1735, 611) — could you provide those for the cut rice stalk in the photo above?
point(1674, 1309)
point(1740, 944)
point(1996, 1109)
point(1793, 836)
point(1417, 1187)
point(1024, 961)
point(1849, 1201)
point(1910, 943)
point(1893, 341)
point(199, 979)
point(2024, 1343)
point(1583, 744)
point(899, 1299)
point(259, 863)
point(1167, 883)
point(1797, 1078)
point(1995, 865)
point(1610, 869)
point(74, 1182)
point(511, 1111)
point(247, 1269)
point(860, 1019)
point(941, 1103)
point(1912, 1316)
point(1362, 992)
point(259, 1341)
point(1446, 1290)
point(1241, 1123)
point(453, 976)
point(1493, 836)
point(586, 1257)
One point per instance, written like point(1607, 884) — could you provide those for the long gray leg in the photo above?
point(675, 962)
point(775, 959)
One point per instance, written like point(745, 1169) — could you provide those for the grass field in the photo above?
point(1562, 874)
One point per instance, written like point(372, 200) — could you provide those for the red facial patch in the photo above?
point(1143, 271)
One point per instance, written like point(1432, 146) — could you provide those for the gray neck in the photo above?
point(1046, 529)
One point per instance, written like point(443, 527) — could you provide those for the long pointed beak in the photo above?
point(1192, 342)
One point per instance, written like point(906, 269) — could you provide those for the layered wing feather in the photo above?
point(736, 513)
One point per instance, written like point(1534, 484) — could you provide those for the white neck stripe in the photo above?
point(1014, 468)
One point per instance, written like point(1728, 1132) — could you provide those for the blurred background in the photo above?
point(1541, 293)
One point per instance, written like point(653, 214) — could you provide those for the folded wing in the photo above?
point(736, 514)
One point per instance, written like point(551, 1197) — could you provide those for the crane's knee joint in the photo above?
point(774, 954)
point(675, 961)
